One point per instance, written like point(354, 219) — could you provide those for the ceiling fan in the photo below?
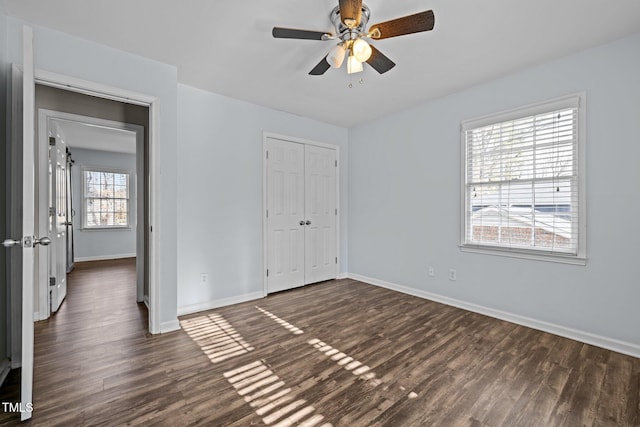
point(350, 20)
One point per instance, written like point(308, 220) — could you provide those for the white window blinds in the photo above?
point(522, 180)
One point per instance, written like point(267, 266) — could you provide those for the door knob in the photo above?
point(302, 222)
point(68, 223)
point(44, 241)
point(10, 242)
point(308, 222)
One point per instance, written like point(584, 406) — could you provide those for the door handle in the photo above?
point(68, 223)
point(302, 222)
point(44, 241)
point(308, 222)
point(10, 242)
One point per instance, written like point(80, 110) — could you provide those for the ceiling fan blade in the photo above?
point(416, 23)
point(291, 33)
point(379, 62)
point(321, 68)
point(350, 12)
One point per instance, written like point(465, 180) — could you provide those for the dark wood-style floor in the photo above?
point(339, 353)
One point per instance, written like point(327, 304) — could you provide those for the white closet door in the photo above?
point(285, 210)
point(320, 214)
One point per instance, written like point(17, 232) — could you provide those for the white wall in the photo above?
point(404, 200)
point(220, 197)
point(103, 244)
point(68, 55)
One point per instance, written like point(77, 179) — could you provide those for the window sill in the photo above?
point(129, 228)
point(530, 255)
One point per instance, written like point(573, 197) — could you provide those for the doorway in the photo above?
point(107, 218)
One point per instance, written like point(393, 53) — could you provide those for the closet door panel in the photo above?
point(320, 210)
point(285, 207)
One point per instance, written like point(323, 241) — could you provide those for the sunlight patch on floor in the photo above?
point(267, 394)
point(295, 330)
point(216, 337)
point(356, 367)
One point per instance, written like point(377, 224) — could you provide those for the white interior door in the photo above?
point(285, 215)
point(24, 100)
point(57, 218)
point(320, 214)
point(28, 221)
point(301, 221)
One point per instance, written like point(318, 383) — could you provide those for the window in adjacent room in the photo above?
point(106, 198)
point(523, 182)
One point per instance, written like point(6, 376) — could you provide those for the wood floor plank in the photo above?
point(340, 352)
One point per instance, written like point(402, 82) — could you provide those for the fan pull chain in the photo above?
point(350, 86)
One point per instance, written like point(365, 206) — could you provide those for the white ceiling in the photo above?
point(92, 137)
point(227, 48)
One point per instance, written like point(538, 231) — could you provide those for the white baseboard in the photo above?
point(5, 367)
point(217, 303)
point(574, 334)
point(103, 257)
point(342, 276)
point(170, 326)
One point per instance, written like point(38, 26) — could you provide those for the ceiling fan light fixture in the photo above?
point(361, 50)
point(336, 55)
point(353, 65)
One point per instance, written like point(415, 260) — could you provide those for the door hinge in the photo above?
point(267, 272)
point(336, 211)
point(52, 141)
point(52, 281)
point(267, 154)
point(267, 213)
point(52, 211)
point(336, 163)
point(336, 260)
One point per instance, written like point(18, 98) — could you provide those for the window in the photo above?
point(523, 182)
point(106, 198)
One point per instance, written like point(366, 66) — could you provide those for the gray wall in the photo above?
point(220, 198)
point(404, 200)
point(4, 133)
point(64, 54)
point(65, 101)
point(102, 244)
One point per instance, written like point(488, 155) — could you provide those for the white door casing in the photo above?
point(301, 225)
point(57, 216)
point(153, 225)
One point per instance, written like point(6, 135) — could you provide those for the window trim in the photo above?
point(130, 183)
point(575, 100)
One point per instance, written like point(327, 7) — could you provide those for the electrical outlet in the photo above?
point(453, 275)
point(204, 278)
point(432, 272)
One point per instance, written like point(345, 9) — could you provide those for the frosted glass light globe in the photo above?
point(361, 50)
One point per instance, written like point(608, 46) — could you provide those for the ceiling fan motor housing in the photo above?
point(346, 33)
